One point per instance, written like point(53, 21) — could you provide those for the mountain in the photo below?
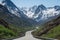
point(41, 13)
point(12, 8)
point(38, 11)
point(35, 12)
point(15, 15)
point(57, 8)
point(3, 13)
point(40, 8)
point(31, 16)
point(32, 9)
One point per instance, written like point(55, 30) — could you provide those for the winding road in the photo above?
point(28, 36)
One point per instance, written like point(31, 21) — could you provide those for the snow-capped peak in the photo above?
point(42, 13)
point(11, 7)
point(36, 13)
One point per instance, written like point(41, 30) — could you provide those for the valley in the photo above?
point(17, 23)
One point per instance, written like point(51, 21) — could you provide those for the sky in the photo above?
point(30, 3)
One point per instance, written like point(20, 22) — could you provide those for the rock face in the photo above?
point(57, 8)
point(4, 23)
point(40, 8)
point(3, 14)
point(11, 7)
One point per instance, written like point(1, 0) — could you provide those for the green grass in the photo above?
point(14, 32)
point(53, 33)
point(6, 33)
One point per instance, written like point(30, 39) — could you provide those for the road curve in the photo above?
point(28, 36)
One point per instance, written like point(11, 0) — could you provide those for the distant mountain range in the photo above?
point(35, 15)
point(41, 12)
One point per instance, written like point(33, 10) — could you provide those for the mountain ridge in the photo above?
point(34, 15)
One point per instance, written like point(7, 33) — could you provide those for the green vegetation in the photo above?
point(53, 33)
point(50, 29)
point(6, 33)
point(14, 32)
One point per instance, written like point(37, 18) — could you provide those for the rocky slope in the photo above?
point(49, 29)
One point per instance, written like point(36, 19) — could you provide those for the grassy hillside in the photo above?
point(50, 29)
point(53, 33)
point(6, 33)
point(13, 32)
